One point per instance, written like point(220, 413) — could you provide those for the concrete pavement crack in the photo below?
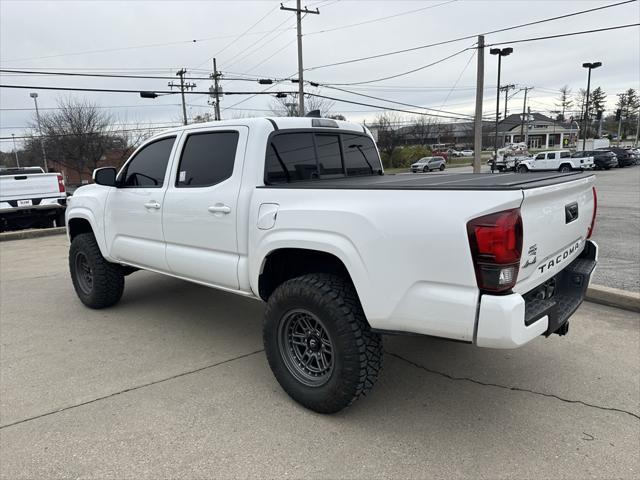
point(130, 389)
point(507, 387)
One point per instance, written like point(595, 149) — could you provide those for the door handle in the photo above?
point(220, 208)
point(152, 204)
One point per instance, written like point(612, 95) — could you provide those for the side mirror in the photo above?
point(105, 176)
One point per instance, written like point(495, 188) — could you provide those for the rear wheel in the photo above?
point(442, 167)
point(97, 282)
point(318, 343)
point(523, 169)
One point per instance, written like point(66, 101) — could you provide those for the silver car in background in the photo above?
point(427, 164)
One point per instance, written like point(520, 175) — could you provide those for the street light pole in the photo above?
point(589, 66)
point(34, 95)
point(500, 52)
point(15, 150)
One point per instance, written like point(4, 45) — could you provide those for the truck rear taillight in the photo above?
point(61, 183)
point(496, 246)
point(595, 209)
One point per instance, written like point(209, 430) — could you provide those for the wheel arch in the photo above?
point(81, 220)
point(282, 264)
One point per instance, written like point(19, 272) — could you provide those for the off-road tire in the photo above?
point(564, 168)
point(107, 282)
point(522, 169)
point(357, 351)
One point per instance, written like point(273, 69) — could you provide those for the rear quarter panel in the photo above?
point(406, 251)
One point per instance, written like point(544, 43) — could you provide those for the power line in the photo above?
point(407, 72)
point(141, 129)
point(237, 37)
point(121, 90)
point(396, 52)
point(108, 75)
point(388, 17)
point(405, 104)
point(547, 37)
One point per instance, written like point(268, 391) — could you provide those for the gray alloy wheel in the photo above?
point(306, 347)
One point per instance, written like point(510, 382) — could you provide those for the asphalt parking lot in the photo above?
point(172, 383)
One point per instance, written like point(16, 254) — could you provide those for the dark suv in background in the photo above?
point(625, 157)
point(601, 159)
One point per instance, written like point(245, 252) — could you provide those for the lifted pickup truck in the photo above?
point(29, 197)
point(559, 160)
point(297, 212)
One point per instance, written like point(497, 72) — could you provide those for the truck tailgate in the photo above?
point(17, 187)
point(556, 221)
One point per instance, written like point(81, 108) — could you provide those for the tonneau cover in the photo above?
point(440, 181)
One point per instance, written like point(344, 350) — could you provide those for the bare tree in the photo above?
point(78, 134)
point(564, 101)
point(389, 139)
point(423, 128)
point(288, 106)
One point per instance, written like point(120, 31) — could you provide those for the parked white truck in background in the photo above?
point(558, 160)
point(298, 212)
point(29, 197)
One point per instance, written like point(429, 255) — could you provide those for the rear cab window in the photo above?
point(317, 154)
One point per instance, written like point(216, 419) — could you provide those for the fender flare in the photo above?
point(334, 244)
point(84, 213)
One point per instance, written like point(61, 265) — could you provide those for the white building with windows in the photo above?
point(538, 131)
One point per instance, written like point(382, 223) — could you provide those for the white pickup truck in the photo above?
point(558, 160)
point(298, 212)
point(29, 197)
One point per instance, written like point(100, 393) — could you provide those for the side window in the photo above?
point(147, 169)
point(540, 156)
point(207, 159)
point(360, 155)
point(329, 158)
point(565, 154)
point(291, 157)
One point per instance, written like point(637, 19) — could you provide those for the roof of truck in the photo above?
point(277, 123)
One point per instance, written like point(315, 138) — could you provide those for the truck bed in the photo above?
point(439, 181)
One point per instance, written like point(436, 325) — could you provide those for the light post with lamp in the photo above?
point(589, 66)
point(34, 95)
point(500, 52)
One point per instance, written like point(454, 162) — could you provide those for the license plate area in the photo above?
point(25, 203)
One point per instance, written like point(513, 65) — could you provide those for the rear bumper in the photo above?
point(510, 321)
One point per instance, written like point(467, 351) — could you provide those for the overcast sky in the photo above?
point(156, 37)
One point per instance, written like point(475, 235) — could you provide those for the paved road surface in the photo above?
point(172, 382)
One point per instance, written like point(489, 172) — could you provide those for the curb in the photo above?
point(36, 233)
point(614, 297)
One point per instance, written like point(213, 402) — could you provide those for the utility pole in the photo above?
point(506, 89)
point(299, 11)
point(180, 73)
point(524, 112)
point(15, 150)
point(34, 95)
point(216, 90)
point(477, 134)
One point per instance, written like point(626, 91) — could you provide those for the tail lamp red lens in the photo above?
point(61, 183)
point(496, 247)
point(595, 209)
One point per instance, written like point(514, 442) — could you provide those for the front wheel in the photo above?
point(97, 282)
point(522, 169)
point(425, 170)
point(565, 168)
point(442, 167)
point(318, 343)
